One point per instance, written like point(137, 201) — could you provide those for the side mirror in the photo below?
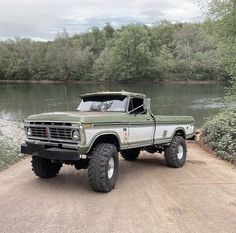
point(147, 104)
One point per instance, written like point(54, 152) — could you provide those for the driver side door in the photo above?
point(141, 124)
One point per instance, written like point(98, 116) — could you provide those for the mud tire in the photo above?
point(99, 166)
point(45, 168)
point(173, 157)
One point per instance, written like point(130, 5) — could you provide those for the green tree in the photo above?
point(220, 129)
point(224, 14)
point(195, 51)
point(109, 31)
point(129, 55)
point(133, 52)
point(162, 34)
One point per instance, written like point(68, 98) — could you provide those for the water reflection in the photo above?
point(17, 101)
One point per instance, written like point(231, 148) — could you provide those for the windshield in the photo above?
point(103, 103)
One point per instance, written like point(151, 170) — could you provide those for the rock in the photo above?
point(198, 133)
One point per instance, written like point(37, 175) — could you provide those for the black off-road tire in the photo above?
point(171, 152)
point(131, 154)
point(44, 168)
point(99, 166)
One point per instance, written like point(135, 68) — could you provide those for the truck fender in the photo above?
point(104, 133)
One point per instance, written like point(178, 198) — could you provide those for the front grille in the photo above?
point(40, 132)
point(60, 133)
point(51, 131)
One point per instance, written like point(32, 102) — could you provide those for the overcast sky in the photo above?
point(42, 19)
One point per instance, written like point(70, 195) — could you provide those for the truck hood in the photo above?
point(83, 117)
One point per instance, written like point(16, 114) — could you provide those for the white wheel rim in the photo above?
point(111, 166)
point(180, 152)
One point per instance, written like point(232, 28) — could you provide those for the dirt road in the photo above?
point(149, 197)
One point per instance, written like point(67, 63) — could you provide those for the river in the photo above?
point(17, 101)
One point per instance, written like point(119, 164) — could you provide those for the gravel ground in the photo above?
point(149, 197)
point(12, 133)
point(11, 136)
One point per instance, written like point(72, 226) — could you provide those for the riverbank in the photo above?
point(200, 141)
point(11, 136)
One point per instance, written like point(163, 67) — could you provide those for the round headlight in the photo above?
point(75, 135)
point(29, 132)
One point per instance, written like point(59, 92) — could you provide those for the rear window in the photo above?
point(103, 103)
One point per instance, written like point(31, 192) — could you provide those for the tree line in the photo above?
point(166, 51)
point(219, 130)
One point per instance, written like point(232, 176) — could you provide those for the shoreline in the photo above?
point(190, 82)
point(213, 153)
point(206, 147)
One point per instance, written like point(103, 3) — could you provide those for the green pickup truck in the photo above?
point(104, 124)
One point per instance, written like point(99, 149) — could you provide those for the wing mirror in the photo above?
point(147, 104)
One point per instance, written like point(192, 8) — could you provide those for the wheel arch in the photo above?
point(180, 131)
point(106, 137)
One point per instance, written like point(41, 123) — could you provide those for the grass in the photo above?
point(8, 155)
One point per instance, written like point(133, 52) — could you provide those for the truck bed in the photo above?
point(174, 119)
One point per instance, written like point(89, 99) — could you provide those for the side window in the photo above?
point(136, 106)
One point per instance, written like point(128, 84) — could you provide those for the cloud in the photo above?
point(44, 18)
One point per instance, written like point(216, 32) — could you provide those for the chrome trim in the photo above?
point(145, 123)
point(172, 123)
point(53, 139)
point(82, 135)
point(41, 142)
point(71, 135)
point(53, 144)
point(71, 122)
point(49, 126)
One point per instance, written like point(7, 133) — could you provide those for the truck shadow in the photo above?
point(68, 180)
point(152, 160)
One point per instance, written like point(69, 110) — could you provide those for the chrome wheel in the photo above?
point(180, 152)
point(111, 166)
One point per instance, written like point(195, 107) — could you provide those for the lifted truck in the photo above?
point(104, 124)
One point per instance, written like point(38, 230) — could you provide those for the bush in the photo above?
point(220, 134)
